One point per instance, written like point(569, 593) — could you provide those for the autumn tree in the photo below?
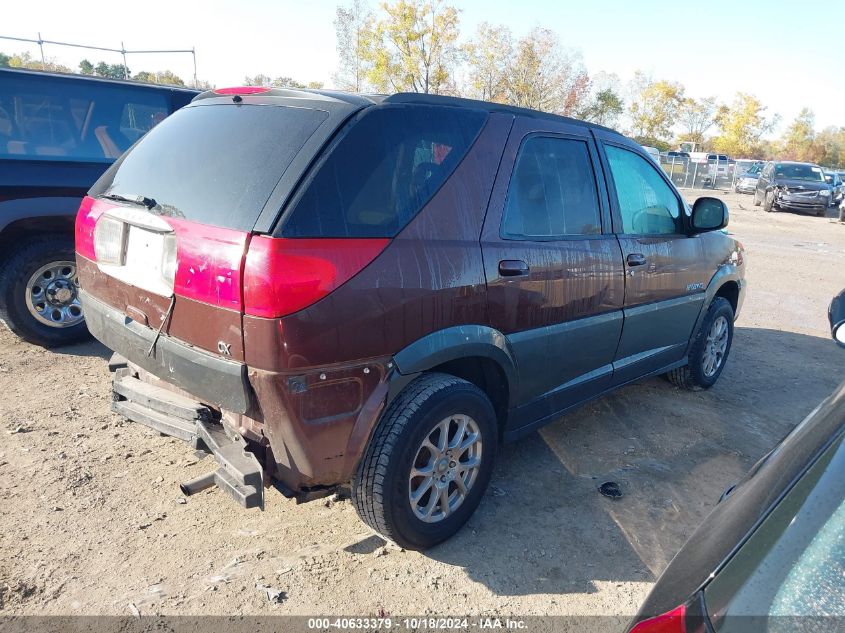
point(353, 27)
point(280, 82)
point(412, 47)
point(654, 108)
point(831, 146)
point(798, 141)
point(696, 117)
point(489, 58)
point(25, 60)
point(166, 77)
point(545, 76)
point(742, 126)
point(605, 104)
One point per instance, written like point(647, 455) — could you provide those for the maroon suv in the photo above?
point(317, 287)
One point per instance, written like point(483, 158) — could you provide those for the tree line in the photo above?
point(417, 46)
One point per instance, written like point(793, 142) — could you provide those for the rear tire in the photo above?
point(385, 488)
point(713, 339)
point(756, 199)
point(16, 275)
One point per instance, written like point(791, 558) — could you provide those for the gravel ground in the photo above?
point(93, 522)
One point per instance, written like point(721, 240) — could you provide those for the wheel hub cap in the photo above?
point(445, 468)
point(52, 295)
point(715, 346)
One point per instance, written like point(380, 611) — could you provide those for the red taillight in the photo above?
point(673, 621)
point(209, 263)
point(242, 90)
point(86, 220)
point(282, 276)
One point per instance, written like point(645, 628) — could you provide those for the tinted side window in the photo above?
point(552, 191)
point(52, 119)
point(647, 204)
point(385, 168)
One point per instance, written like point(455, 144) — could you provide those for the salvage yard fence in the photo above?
point(122, 50)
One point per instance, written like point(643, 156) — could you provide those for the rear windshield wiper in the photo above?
point(142, 201)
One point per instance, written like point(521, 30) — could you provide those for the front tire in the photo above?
point(428, 463)
point(756, 199)
point(709, 352)
point(769, 202)
point(39, 292)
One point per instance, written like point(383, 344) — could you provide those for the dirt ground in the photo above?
point(92, 520)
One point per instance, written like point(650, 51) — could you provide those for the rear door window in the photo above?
point(47, 118)
point(382, 171)
point(552, 191)
point(214, 164)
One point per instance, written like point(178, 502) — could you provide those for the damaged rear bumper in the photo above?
point(239, 472)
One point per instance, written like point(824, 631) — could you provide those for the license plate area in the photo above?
point(141, 250)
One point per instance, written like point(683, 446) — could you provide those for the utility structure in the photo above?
point(122, 50)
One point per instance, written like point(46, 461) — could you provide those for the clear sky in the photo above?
point(790, 54)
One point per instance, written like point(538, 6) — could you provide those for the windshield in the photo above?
point(799, 171)
point(214, 164)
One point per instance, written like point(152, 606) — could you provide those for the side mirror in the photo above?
point(709, 214)
point(836, 316)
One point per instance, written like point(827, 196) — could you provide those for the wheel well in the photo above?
point(730, 291)
point(21, 230)
point(487, 375)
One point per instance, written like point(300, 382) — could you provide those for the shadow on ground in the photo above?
point(673, 452)
point(92, 347)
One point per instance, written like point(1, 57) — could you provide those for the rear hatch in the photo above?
point(163, 236)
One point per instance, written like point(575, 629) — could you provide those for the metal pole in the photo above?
point(41, 46)
point(125, 67)
point(194, 53)
point(672, 171)
point(694, 174)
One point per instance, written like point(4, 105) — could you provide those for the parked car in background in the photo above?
point(319, 287)
point(792, 186)
point(746, 182)
point(653, 152)
point(744, 165)
point(58, 134)
point(834, 181)
point(771, 555)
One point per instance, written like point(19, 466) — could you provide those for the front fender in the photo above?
point(726, 272)
point(459, 342)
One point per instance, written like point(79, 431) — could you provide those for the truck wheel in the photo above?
point(756, 199)
point(428, 463)
point(39, 292)
point(710, 349)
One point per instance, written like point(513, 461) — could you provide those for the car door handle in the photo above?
point(513, 268)
point(636, 259)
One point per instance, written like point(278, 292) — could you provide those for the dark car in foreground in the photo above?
point(771, 555)
point(58, 134)
point(319, 287)
point(792, 186)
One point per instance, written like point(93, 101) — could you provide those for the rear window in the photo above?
point(45, 118)
point(214, 164)
point(382, 171)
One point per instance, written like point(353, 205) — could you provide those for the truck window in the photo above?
point(48, 118)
